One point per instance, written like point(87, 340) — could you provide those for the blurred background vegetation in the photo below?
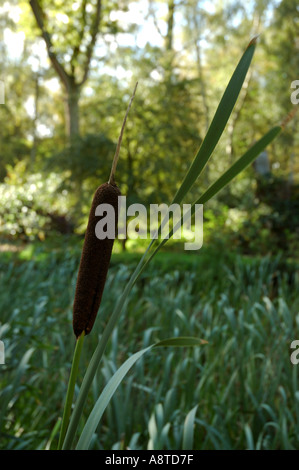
point(69, 68)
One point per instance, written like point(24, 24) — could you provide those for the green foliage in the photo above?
point(87, 158)
point(161, 135)
point(32, 206)
point(179, 88)
point(275, 217)
point(15, 123)
point(71, 26)
point(242, 380)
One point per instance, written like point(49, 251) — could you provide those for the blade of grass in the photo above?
point(70, 390)
point(180, 341)
point(109, 390)
point(218, 123)
point(14, 386)
point(188, 434)
point(53, 435)
point(249, 437)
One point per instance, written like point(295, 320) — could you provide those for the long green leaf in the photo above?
point(182, 341)
point(109, 390)
point(218, 123)
point(105, 397)
point(240, 165)
point(188, 433)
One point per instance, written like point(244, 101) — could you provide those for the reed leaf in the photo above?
point(240, 165)
point(110, 388)
point(218, 123)
point(188, 435)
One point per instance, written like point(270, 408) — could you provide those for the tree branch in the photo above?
point(90, 47)
point(151, 12)
point(39, 15)
point(81, 35)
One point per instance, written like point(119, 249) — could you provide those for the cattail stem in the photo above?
point(70, 390)
point(98, 355)
point(115, 159)
point(93, 269)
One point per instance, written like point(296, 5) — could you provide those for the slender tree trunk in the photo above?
point(72, 111)
point(203, 85)
point(68, 80)
point(170, 20)
point(292, 159)
point(35, 119)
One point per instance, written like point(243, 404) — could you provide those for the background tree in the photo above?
point(70, 38)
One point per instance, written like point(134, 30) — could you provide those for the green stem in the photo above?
point(98, 354)
point(70, 390)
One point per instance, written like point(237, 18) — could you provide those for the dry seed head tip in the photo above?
point(115, 159)
point(288, 118)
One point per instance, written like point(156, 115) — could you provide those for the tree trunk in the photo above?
point(72, 111)
point(34, 123)
point(170, 21)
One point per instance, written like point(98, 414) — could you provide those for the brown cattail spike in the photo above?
point(94, 264)
point(96, 253)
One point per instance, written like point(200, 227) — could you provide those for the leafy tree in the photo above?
point(70, 32)
point(71, 58)
point(284, 44)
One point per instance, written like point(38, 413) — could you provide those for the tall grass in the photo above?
point(243, 384)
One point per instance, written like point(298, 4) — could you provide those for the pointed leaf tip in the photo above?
point(253, 40)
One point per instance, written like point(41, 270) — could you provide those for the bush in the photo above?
point(275, 219)
point(32, 206)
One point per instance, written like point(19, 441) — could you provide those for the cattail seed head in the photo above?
point(94, 264)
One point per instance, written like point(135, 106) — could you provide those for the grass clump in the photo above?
point(244, 384)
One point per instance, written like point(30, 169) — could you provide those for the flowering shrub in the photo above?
point(31, 206)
